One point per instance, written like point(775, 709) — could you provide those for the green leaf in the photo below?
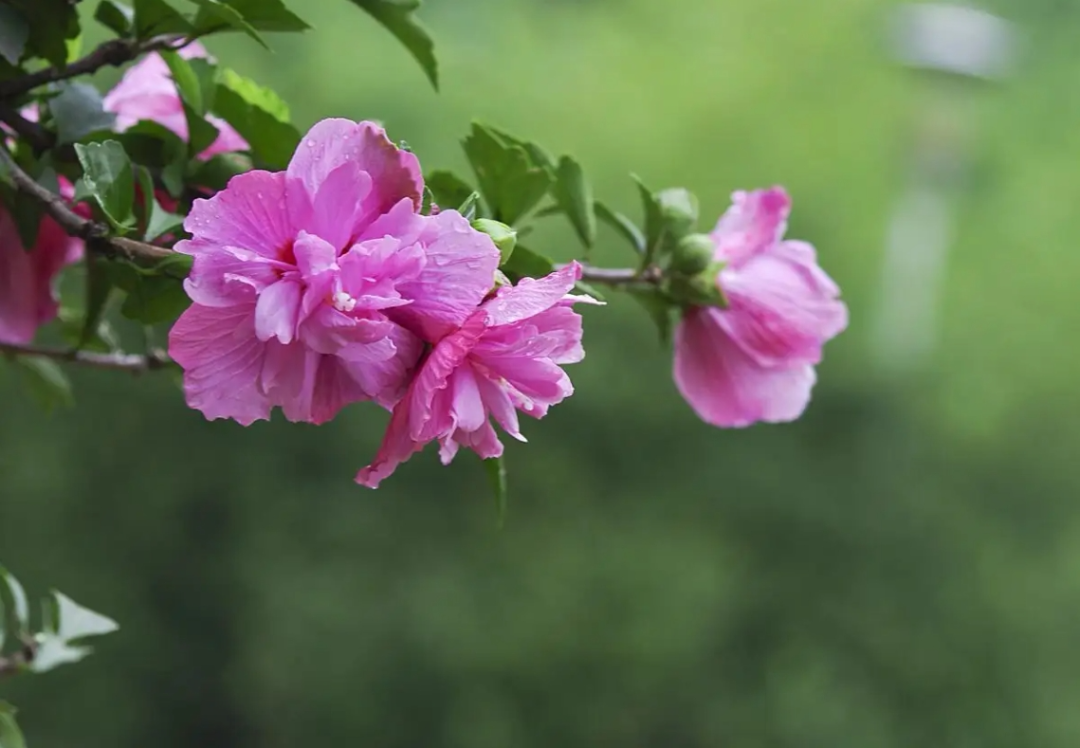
point(162, 222)
point(215, 173)
point(256, 95)
point(468, 206)
point(14, 598)
point(156, 146)
point(268, 15)
point(524, 263)
point(679, 209)
point(146, 189)
point(10, 734)
point(574, 196)
point(78, 111)
point(108, 175)
point(496, 472)
point(46, 381)
point(654, 221)
point(240, 102)
point(154, 17)
point(98, 291)
point(51, 24)
point(659, 308)
point(187, 83)
point(152, 296)
point(538, 155)
point(115, 16)
point(14, 32)
point(510, 181)
point(215, 15)
point(397, 17)
point(447, 188)
point(623, 225)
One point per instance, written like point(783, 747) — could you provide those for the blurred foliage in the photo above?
point(896, 569)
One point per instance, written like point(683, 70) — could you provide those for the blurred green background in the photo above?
point(899, 568)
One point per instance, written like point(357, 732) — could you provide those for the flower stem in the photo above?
point(131, 362)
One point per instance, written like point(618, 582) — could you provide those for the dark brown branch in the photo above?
point(131, 362)
point(114, 52)
point(96, 235)
point(37, 136)
point(14, 663)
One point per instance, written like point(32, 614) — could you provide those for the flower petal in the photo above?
point(531, 296)
point(277, 311)
point(755, 221)
point(724, 386)
point(222, 361)
point(249, 214)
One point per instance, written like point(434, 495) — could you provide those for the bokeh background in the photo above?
point(899, 568)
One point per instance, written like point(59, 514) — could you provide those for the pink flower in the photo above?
point(504, 358)
point(148, 92)
point(317, 287)
point(26, 278)
point(754, 361)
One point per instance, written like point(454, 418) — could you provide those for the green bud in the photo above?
point(693, 253)
point(679, 209)
point(700, 289)
point(501, 279)
point(505, 238)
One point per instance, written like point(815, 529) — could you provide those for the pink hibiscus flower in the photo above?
point(27, 300)
point(148, 92)
point(505, 357)
point(317, 286)
point(754, 361)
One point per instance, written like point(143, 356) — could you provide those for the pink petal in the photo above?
point(223, 279)
point(778, 313)
point(756, 221)
point(334, 211)
point(467, 407)
point(497, 402)
point(401, 222)
point(313, 254)
point(288, 378)
point(277, 311)
point(426, 422)
point(724, 386)
point(484, 441)
point(335, 387)
point(383, 369)
point(396, 447)
point(227, 141)
point(531, 296)
point(333, 142)
point(250, 214)
point(222, 361)
point(459, 272)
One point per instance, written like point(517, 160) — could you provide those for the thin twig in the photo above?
point(96, 235)
point(132, 362)
point(619, 277)
point(114, 52)
point(14, 663)
point(33, 133)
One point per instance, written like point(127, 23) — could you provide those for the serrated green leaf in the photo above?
point(623, 225)
point(397, 16)
point(153, 145)
point(256, 114)
point(162, 222)
point(496, 472)
point(525, 263)
point(46, 381)
point(574, 196)
point(79, 110)
point(215, 172)
point(146, 190)
point(537, 155)
point(10, 734)
point(14, 33)
point(115, 16)
point(654, 221)
point(154, 17)
point(187, 83)
point(51, 24)
point(109, 176)
point(511, 183)
point(215, 15)
point(447, 189)
point(153, 296)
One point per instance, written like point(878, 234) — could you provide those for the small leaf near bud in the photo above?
point(505, 238)
point(701, 289)
point(692, 254)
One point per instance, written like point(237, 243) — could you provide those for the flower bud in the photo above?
point(505, 238)
point(692, 254)
point(700, 289)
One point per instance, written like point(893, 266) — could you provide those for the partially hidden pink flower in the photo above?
point(318, 286)
point(507, 356)
point(754, 361)
point(27, 300)
point(148, 92)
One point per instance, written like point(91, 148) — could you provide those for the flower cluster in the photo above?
point(325, 285)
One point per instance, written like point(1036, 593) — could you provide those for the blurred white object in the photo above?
point(968, 43)
point(953, 38)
